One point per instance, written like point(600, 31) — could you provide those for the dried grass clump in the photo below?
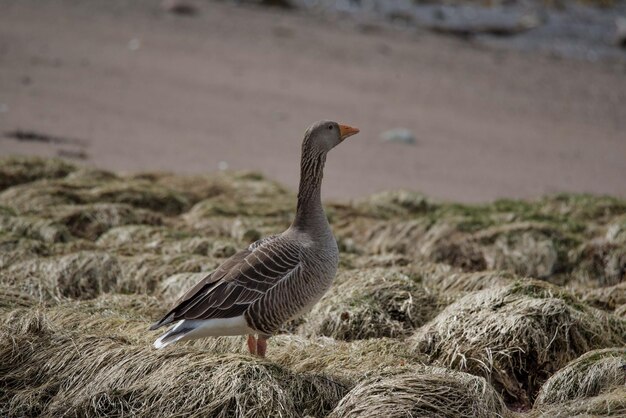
point(421, 392)
point(39, 196)
point(616, 230)
point(143, 308)
point(372, 303)
point(11, 298)
point(607, 404)
point(139, 237)
point(600, 262)
point(195, 187)
point(81, 275)
point(606, 298)
point(13, 249)
point(459, 282)
point(17, 170)
point(177, 284)
point(344, 361)
point(92, 220)
point(445, 242)
point(34, 228)
point(170, 241)
point(397, 203)
point(378, 260)
point(224, 205)
point(538, 238)
point(244, 194)
point(591, 374)
point(49, 371)
point(411, 237)
point(427, 272)
point(144, 273)
point(526, 248)
point(583, 207)
point(140, 194)
point(108, 314)
point(90, 175)
point(517, 336)
point(194, 245)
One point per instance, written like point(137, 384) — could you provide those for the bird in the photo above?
point(274, 279)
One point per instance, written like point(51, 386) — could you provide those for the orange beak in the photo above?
point(346, 131)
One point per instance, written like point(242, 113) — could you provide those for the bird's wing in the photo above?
point(238, 282)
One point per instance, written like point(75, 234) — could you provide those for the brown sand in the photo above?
point(240, 85)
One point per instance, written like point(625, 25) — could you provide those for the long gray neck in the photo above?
point(310, 213)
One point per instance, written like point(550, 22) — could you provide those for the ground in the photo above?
point(514, 308)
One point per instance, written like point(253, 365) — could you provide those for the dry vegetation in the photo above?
point(503, 309)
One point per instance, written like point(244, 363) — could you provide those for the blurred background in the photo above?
point(462, 100)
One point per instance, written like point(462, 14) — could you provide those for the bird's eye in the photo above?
point(330, 127)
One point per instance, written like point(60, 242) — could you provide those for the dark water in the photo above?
point(573, 30)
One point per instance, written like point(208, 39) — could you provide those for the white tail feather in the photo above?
point(161, 341)
point(193, 329)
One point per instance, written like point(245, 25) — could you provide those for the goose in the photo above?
point(276, 278)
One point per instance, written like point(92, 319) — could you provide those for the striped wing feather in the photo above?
point(236, 283)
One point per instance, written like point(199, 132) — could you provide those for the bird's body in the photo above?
point(276, 278)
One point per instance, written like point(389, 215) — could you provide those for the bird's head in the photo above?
point(323, 136)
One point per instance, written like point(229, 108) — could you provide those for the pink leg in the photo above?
point(261, 346)
point(252, 344)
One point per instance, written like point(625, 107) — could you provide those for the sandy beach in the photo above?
point(127, 86)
